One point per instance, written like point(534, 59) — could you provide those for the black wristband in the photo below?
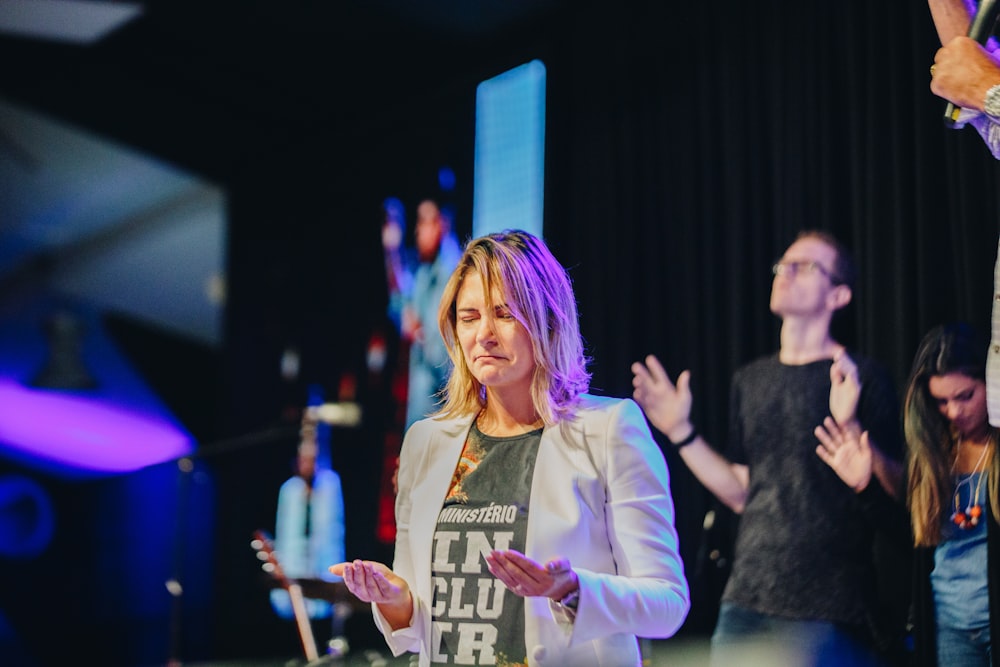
point(692, 436)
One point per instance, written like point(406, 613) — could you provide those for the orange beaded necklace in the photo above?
point(969, 518)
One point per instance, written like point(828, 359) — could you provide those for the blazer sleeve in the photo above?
point(647, 593)
point(413, 450)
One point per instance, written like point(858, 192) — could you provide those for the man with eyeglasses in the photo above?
point(803, 582)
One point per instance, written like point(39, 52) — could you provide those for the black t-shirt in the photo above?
point(804, 544)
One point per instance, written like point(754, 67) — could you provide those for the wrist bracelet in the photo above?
point(686, 441)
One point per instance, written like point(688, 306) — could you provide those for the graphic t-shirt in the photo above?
point(477, 621)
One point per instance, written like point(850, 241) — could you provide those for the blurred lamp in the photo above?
point(64, 367)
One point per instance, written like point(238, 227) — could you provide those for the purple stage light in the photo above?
point(75, 433)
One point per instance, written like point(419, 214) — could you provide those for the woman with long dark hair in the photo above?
point(952, 495)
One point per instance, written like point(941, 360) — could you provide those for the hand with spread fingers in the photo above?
point(667, 406)
point(527, 578)
point(847, 450)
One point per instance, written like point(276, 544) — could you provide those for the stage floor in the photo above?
point(676, 652)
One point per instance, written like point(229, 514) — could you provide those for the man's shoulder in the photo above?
point(763, 364)
point(869, 367)
point(770, 362)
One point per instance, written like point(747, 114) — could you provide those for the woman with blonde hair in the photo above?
point(534, 521)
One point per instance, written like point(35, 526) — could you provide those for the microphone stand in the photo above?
point(185, 466)
point(345, 413)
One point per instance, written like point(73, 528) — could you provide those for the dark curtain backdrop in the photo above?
point(687, 145)
point(687, 148)
point(682, 162)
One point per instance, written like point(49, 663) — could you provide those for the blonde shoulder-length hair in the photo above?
point(519, 268)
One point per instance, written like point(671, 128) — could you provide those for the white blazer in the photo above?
point(600, 496)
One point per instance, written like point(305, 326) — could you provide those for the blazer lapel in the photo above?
point(443, 452)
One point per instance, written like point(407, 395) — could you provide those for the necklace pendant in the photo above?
point(970, 518)
point(974, 513)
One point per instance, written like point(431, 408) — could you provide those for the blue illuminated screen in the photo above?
point(510, 151)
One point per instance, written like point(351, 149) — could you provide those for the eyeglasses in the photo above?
point(793, 268)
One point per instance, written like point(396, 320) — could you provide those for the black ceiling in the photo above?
point(186, 78)
point(216, 88)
